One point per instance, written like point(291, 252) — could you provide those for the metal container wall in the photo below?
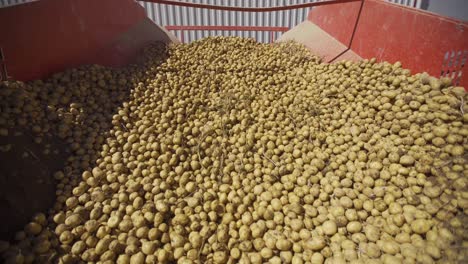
point(168, 15)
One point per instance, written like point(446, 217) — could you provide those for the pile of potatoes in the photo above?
point(226, 150)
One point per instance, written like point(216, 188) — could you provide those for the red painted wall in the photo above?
point(337, 19)
point(47, 36)
point(396, 33)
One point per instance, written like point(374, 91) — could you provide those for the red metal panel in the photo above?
point(336, 20)
point(47, 36)
point(319, 42)
point(393, 33)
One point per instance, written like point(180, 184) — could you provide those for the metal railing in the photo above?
point(216, 24)
point(247, 9)
point(272, 30)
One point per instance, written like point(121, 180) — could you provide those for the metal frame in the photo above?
point(272, 30)
point(348, 47)
point(247, 9)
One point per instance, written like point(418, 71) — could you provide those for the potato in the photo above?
point(390, 247)
point(354, 227)
point(220, 257)
point(254, 258)
point(163, 255)
point(137, 258)
point(41, 246)
point(113, 221)
point(73, 220)
point(329, 227)
point(297, 260)
point(390, 259)
point(226, 150)
point(266, 253)
point(148, 247)
point(283, 244)
point(235, 253)
point(33, 228)
point(372, 250)
point(457, 150)
point(66, 237)
point(372, 233)
point(317, 258)
point(315, 243)
point(420, 226)
point(276, 260)
point(407, 160)
point(286, 256)
point(78, 247)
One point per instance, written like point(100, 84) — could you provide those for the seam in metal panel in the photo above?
point(157, 17)
point(177, 15)
point(247, 15)
point(241, 18)
point(208, 13)
point(226, 15)
point(184, 16)
point(292, 17)
point(163, 15)
point(167, 16)
point(144, 4)
point(204, 18)
point(153, 10)
point(219, 17)
point(162, 11)
point(227, 18)
point(157, 8)
point(213, 17)
point(199, 35)
point(147, 9)
point(171, 14)
point(192, 16)
point(252, 15)
point(233, 18)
